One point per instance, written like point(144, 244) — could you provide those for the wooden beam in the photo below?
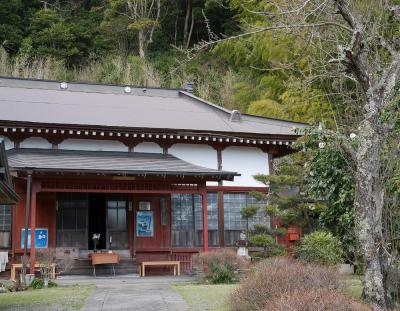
point(27, 216)
point(33, 227)
point(205, 218)
point(221, 218)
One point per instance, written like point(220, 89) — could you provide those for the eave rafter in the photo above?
point(56, 134)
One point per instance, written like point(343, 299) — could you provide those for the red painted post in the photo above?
point(33, 227)
point(205, 219)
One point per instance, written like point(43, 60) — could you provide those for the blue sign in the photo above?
point(144, 224)
point(41, 238)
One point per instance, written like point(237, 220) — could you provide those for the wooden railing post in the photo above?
point(35, 189)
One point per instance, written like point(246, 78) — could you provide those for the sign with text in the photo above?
point(144, 224)
point(41, 238)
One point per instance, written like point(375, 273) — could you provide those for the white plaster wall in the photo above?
point(247, 161)
point(8, 144)
point(148, 147)
point(92, 145)
point(35, 142)
point(201, 155)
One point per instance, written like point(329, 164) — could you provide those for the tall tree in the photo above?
point(358, 53)
point(139, 16)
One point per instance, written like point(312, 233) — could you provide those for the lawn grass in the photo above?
point(62, 298)
point(205, 297)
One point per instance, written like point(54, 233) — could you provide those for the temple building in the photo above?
point(156, 172)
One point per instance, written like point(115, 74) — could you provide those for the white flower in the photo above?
point(353, 135)
point(311, 173)
point(321, 145)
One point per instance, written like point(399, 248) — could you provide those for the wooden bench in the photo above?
point(167, 263)
point(16, 266)
point(104, 258)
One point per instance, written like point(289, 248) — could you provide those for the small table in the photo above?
point(104, 258)
point(175, 264)
point(16, 266)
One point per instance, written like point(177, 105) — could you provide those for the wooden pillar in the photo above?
point(26, 226)
point(221, 221)
point(205, 218)
point(219, 162)
point(33, 226)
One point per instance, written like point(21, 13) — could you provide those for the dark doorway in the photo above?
point(97, 219)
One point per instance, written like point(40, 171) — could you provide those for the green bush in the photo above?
point(320, 247)
point(220, 266)
point(38, 283)
point(222, 274)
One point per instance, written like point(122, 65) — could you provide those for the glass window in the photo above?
point(116, 215)
point(233, 221)
point(212, 217)
point(5, 217)
point(71, 211)
point(187, 220)
point(5, 226)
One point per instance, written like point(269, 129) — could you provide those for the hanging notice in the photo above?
point(41, 238)
point(144, 224)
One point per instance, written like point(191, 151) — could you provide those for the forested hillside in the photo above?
point(335, 63)
point(154, 43)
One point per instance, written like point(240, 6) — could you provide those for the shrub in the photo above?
point(275, 276)
point(262, 240)
point(38, 283)
point(315, 300)
point(320, 247)
point(221, 266)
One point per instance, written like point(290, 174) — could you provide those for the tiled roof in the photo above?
point(7, 193)
point(125, 163)
point(45, 102)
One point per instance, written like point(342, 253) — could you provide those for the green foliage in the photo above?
point(262, 240)
point(38, 283)
point(330, 177)
point(320, 247)
point(248, 211)
point(267, 242)
point(276, 250)
point(222, 274)
point(221, 266)
point(288, 197)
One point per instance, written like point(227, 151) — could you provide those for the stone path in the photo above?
point(147, 294)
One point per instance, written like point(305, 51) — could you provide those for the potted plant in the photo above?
point(96, 240)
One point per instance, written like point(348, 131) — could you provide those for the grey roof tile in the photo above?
point(129, 163)
point(104, 105)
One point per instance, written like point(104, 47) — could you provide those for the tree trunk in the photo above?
point(190, 32)
point(142, 43)
point(369, 198)
point(187, 17)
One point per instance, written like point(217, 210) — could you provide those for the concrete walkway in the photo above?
point(132, 293)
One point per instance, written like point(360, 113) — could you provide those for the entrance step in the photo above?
point(83, 266)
